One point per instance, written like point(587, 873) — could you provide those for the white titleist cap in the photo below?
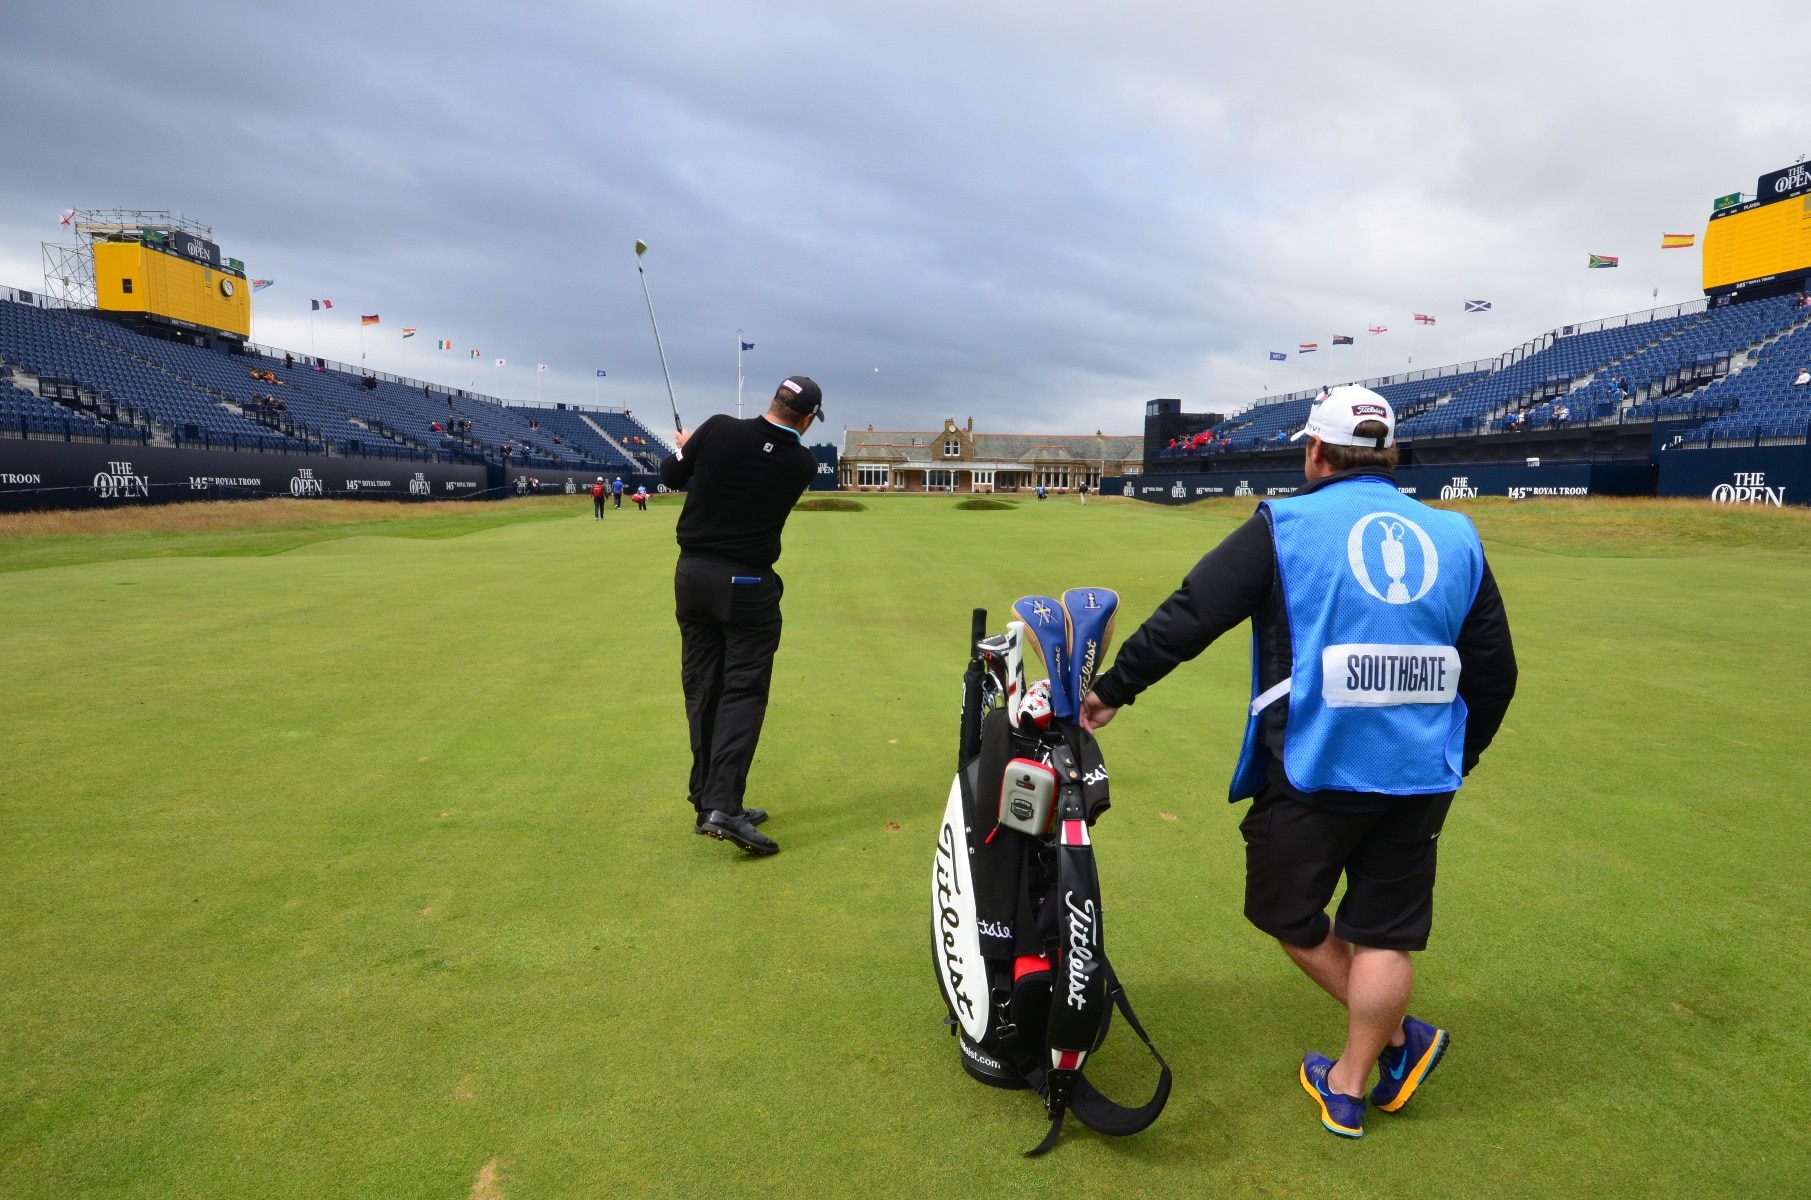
point(1341, 410)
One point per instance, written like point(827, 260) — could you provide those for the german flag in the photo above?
point(1678, 241)
point(370, 320)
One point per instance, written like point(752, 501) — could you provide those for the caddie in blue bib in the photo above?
point(1376, 586)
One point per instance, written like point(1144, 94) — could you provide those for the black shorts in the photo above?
point(1295, 853)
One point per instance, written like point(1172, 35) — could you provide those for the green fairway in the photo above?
point(352, 858)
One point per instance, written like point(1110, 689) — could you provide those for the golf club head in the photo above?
point(1090, 612)
point(1048, 624)
point(641, 247)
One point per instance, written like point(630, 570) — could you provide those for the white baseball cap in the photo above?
point(1338, 411)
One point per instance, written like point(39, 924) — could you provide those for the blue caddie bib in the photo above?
point(1376, 586)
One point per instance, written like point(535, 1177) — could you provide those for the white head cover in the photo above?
point(1339, 411)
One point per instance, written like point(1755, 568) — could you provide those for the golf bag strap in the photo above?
point(1102, 1115)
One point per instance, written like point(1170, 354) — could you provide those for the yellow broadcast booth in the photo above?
point(175, 278)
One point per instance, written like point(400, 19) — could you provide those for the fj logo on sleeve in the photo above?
point(1381, 538)
point(767, 448)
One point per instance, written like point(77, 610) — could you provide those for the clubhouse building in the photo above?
point(957, 459)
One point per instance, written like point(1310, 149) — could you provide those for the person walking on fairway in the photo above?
point(744, 478)
point(1382, 668)
point(597, 499)
point(616, 490)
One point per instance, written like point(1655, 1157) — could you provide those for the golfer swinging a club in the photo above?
point(744, 477)
point(1382, 667)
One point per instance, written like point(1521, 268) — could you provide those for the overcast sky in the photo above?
point(1039, 215)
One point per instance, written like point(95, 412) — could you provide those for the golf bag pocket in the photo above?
point(1028, 797)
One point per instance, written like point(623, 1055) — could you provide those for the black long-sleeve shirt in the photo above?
point(1237, 581)
point(744, 478)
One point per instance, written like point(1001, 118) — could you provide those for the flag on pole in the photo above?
point(408, 331)
point(1678, 241)
point(748, 345)
point(1307, 347)
point(259, 285)
point(1477, 306)
point(320, 304)
point(442, 344)
point(540, 366)
point(502, 362)
point(1600, 261)
point(476, 353)
point(1380, 328)
point(1424, 319)
point(1277, 356)
point(1342, 339)
point(368, 319)
point(66, 216)
point(600, 374)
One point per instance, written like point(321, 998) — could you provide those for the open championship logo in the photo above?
point(1178, 491)
point(1750, 487)
point(1387, 532)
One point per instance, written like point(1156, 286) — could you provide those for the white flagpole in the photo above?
point(738, 374)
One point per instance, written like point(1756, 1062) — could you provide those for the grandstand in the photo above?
point(1730, 366)
point(69, 373)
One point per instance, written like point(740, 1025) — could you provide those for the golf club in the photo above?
point(641, 248)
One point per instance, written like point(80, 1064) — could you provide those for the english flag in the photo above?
point(1424, 318)
point(1380, 329)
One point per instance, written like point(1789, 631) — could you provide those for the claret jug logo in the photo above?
point(1382, 539)
point(118, 482)
point(304, 483)
point(1750, 487)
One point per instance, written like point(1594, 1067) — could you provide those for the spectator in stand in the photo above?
point(1561, 415)
point(1804, 377)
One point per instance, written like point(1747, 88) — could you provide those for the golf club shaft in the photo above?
point(668, 375)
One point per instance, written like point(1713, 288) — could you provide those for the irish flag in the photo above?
point(443, 344)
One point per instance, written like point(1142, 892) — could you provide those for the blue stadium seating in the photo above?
point(146, 387)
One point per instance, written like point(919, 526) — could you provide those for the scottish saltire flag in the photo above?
point(748, 345)
point(1342, 339)
point(1307, 347)
point(1477, 306)
point(1600, 261)
point(442, 344)
point(1678, 241)
point(368, 319)
point(1380, 329)
point(318, 305)
point(259, 285)
point(600, 374)
point(408, 331)
point(1277, 356)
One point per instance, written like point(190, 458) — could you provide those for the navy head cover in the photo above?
point(1048, 624)
point(1090, 612)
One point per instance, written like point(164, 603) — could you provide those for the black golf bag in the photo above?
point(1016, 934)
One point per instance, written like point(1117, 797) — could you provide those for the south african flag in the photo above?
point(1602, 260)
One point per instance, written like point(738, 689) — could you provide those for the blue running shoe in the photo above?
point(1402, 1069)
point(1344, 1115)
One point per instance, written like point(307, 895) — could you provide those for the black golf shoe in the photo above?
point(737, 828)
point(754, 816)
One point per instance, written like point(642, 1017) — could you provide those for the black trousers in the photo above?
point(729, 629)
point(597, 506)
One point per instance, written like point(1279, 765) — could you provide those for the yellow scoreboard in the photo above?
point(1758, 241)
point(133, 277)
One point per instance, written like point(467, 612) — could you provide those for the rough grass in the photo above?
point(348, 860)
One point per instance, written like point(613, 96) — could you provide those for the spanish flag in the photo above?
point(1678, 241)
point(370, 320)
